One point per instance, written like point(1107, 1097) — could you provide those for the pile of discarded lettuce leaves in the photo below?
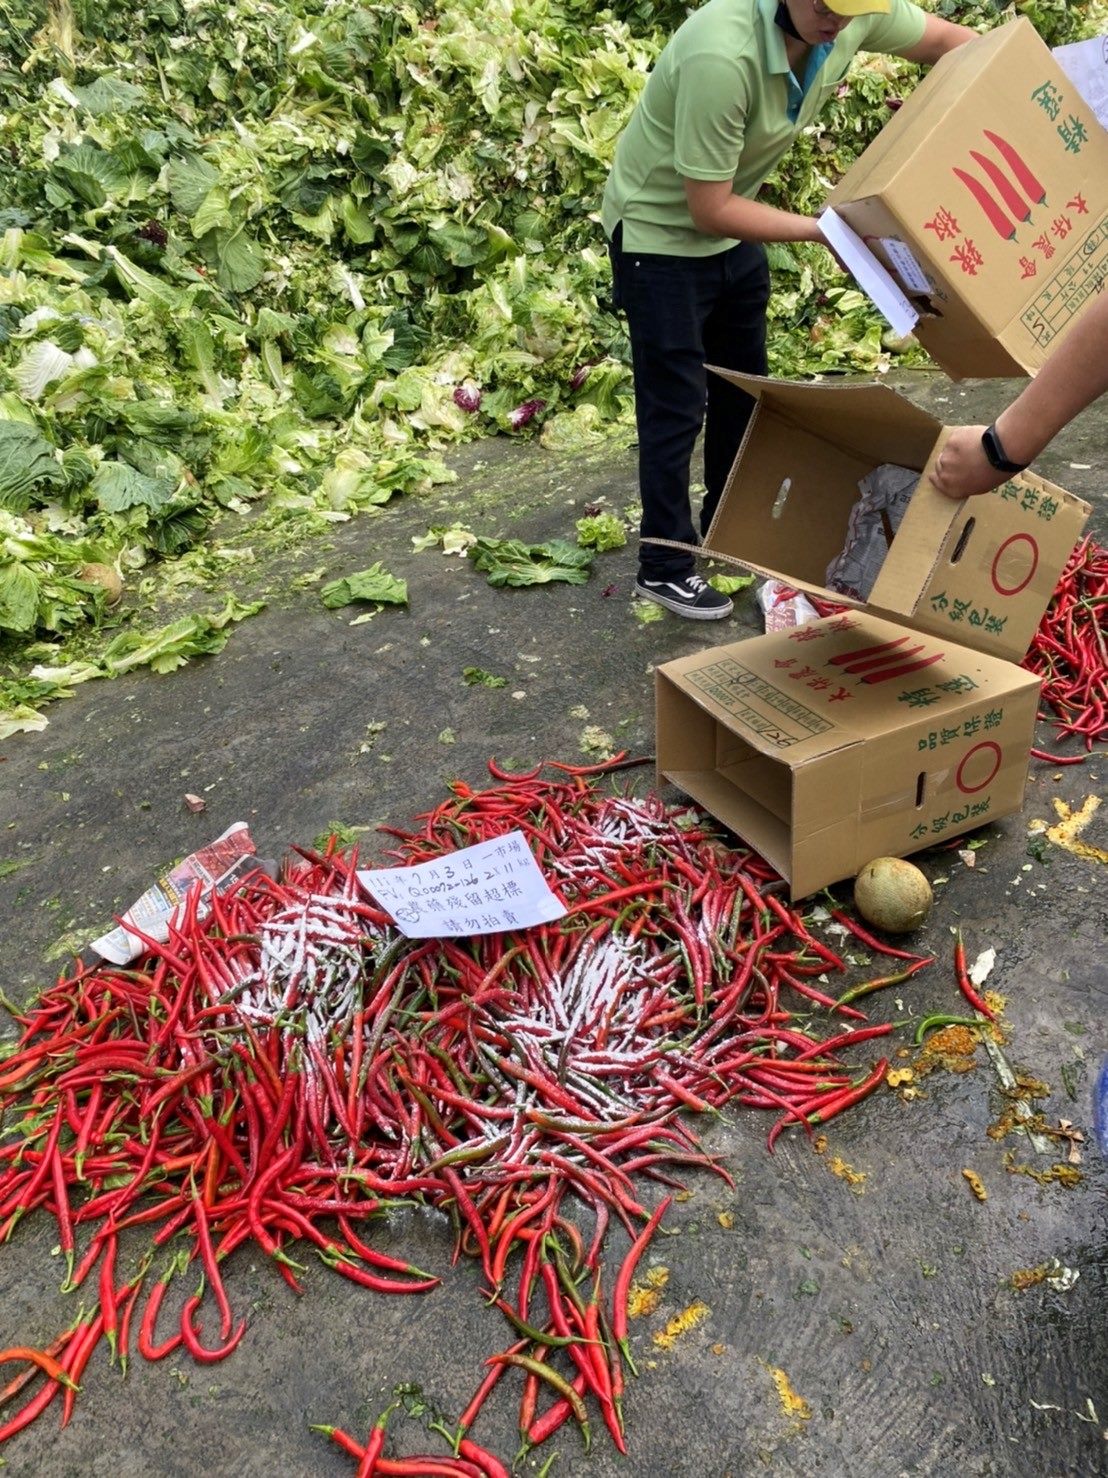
point(274, 258)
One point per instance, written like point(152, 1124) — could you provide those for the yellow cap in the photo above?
point(859, 7)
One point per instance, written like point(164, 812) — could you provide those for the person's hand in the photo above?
point(962, 468)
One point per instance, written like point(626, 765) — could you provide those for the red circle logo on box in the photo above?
point(1018, 557)
point(978, 767)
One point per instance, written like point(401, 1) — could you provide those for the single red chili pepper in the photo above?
point(375, 1445)
point(342, 1439)
point(147, 1349)
point(621, 1291)
point(108, 1312)
point(869, 939)
point(43, 1360)
point(191, 1336)
point(1058, 759)
point(426, 1467)
point(211, 1266)
point(828, 1110)
point(76, 1358)
point(965, 984)
point(599, 1355)
point(377, 1283)
point(820, 997)
point(1015, 161)
point(129, 1295)
point(489, 1465)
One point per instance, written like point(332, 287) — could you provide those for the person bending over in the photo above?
point(732, 89)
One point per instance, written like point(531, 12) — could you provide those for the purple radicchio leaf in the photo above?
point(524, 413)
point(467, 397)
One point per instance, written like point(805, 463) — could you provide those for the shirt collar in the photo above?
point(784, 21)
point(773, 37)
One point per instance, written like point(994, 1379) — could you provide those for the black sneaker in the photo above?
point(688, 595)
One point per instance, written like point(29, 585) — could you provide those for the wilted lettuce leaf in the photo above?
point(117, 487)
point(19, 589)
point(171, 646)
point(27, 462)
point(512, 562)
point(374, 584)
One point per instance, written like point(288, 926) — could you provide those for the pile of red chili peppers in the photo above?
point(287, 1067)
point(1070, 652)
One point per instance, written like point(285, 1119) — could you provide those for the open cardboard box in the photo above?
point(986, 197)
point(980, 571)
point(894, 725)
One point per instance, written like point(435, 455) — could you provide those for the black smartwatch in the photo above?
point(990, 441)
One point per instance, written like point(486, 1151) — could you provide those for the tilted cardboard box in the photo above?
point(986, 196)
point(904, 721)
point(844, 740)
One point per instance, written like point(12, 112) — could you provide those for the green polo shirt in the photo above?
point(721, 103)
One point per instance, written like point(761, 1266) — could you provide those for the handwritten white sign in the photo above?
point(1085, 63)
point(905, 265)
point(485, 889)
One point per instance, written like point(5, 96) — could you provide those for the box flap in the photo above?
point(981, 569)
point(821, 407)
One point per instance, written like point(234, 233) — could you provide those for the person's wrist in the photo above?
point(998, 454)
point(1014, 439)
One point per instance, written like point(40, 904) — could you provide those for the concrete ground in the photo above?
point(886, 1304)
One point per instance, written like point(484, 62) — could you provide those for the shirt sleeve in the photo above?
point(899, 30)
point(709, 118)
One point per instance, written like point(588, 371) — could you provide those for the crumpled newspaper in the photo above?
point(874, 520)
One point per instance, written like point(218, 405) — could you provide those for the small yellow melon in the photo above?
point(892, 895)
point(108, 580)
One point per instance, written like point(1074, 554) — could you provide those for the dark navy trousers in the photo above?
point(684, 313)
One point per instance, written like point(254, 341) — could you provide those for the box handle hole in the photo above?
point(782, 497)
point(963, 540)
point(921, 786)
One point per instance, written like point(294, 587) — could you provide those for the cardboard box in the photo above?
point(904, 721)
point(980, 570)
point(846, 739)
point(986, 196)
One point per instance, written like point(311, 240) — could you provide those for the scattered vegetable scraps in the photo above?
point(976, 1184)
point(681, 1324)
point(792, 1404)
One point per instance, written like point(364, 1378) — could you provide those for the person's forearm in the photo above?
point(939, 37)
point(1072, 378)
point(717, 211)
